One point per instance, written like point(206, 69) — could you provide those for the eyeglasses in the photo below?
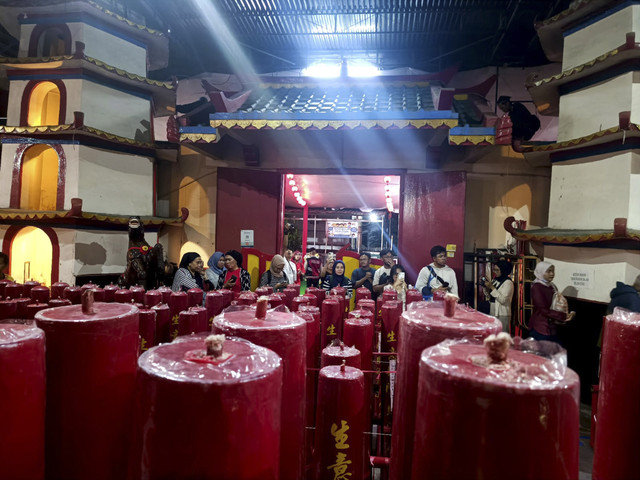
point(388, 256)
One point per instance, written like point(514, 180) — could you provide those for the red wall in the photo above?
point(249, 200)
point(432, 213)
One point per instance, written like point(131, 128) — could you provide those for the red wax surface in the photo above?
point(22, 401)
point(247, 298)
point(98, 294)
point(312, 316)
point(28, 286)
point(616, 454)
point(290, 292)
point(202, 324)
point(343, 304)
point(362, 293)
point(213, 303)
point(91, 372)
point(388, 295)
point(163, 322)
point(313, 300)
point(8, 309)
point(331, 321)
point(367, 304)
point(195, 297)
point(123, 295)
point(152, 297)
point(39, 294)
point(88, 286)
point(358, 333)
point(178, 302)
point(73, 293)
point(3, 284)
point(298, 301)
point(477, 422)
point(285, 334)
point(57, 289)
point(188, 322)
point(227, 296)
point(59, 302)
point(33, 308)
point(422, 326)
point(147, 329)
point(209, 421)
point(413, 295)
point(335, 354)
point(21, 306)
point(340, 291)
point(263, 291)
point(391, 311)
point(13, 290)
point(166, 293)
point(275, 300)
point(109, 292)
point(137, 293)
point(296, 286)
point(340, 424)
point(315, 314)
point(318, 293)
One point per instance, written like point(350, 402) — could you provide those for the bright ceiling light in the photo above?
point(322, 70)
point(373, 217)
point(363, 70)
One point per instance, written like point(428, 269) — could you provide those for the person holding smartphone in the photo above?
point(236, 278)
point(398, 283)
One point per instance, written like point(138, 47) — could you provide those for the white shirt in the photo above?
point(378, 274)
point(290, 271)
point(446, 273)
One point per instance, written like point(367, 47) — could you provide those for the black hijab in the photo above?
point(337, 280)
point(187, 258)
point(505, 270)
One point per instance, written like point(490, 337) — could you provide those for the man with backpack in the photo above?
point(437, 275)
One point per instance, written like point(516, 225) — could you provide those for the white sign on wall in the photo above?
point(246, 238)
point(582, 278)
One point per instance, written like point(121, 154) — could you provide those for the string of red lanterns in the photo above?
point(387, 193)
point(295, 190)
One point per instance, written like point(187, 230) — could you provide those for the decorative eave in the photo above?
point(198, 135)
point(472, 136)
point(550, 31)
point(545, 92)
point(331, 121)
point(76, 218)
point(618, 234)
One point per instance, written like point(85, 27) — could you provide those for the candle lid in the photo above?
point(530, 364)
point(341, 371)
point(73, 313)
point(15, 333)
point(339, 349)
point(431, 315)
point(246, 362)
point(244, 317)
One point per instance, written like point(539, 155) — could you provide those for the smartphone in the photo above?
point(401, 276)
point(483, 279)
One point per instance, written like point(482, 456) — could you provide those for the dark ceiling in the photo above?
point(279, 35)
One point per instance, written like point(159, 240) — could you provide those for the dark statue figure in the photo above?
point(145, 265)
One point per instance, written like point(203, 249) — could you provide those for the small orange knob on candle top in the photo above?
point(215, 345)
point(498, 347)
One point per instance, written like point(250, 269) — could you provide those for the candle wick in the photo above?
point(343, 367)
point(87, 302)
point(498, 347)
point(215, 345)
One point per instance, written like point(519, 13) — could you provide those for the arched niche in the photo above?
point(43, 103)
point(50, 40)
point(34, 254)
point(38, 177)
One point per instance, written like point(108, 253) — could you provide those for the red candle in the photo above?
point(187, 323)
point(358, 332)
point(21, 306)
point(212, 419)
point(72, 293)
point(263, 291)
point(89, 286)
point(213, 303)
point(362, 293)
point(423, 326)
point(109, 292)
point(616, 444)
point(275, 300)
point(450, 302)
point(289, 292)
point(318, 293)
point(311, 315)
point(202, 323)
point(98, 294)
point(59, 302)
point(28, 286)
point(331, 321)
point(195, 297)
point(137, 293)
point(313, 300)
point(296, 286)
point(178, 302)
point(247, 298)
point(340, 424)
point(22, 383)
point(343, 304)
point(413, 295)
point(147, 329)
point(367, 304)
point(340, 291)
point(163, 322)
point(285, 334)
point(91, 372)
point(40, 294)
point(8, 309)
point(13, 290)
point(227, 296)
point(166, 293)
point(338, 352)
point(298, 301)
point(391, 311)
point(476, 416)
point(152, 297)
point(3, 284)
point(33, 308)
point(123, 295)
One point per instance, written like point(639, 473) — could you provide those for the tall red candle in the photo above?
point(343, 305)
point(3, 284)
point(21, 306)
point(247, 298)
point(163, 322)
point(211, 419)
point(312, 299)
point(362, 293)
point(413, 295)
point(33, 308)
point(422, 326)
point(188, 322)
point(109, 292)
point(367, 304)
point(338, 352)
point(147, 329)
point(178, 302)
point(152, 297)
point(227, 296)
point(166, 293)
point(290, 293)
point(137, 293)
point(195, 297)
point(276, 299)
point(285, 334)
point(476, 418)
point(59, 302)
point(202, 323)
point(315, 314)
point(331, 321)
point(358, 333)
point(391, 311)
point(57, 289)
point(22, 383)
point(91, 371)
point(296, 302)
point(213, 303)
point(123, 295)
point(312, 316)
point(340, 424)
point(8, 309)
point(616, 443)
point(13, 290)
point(318, 293)
point(98, 294)
point(39, 294)
point(28, 286)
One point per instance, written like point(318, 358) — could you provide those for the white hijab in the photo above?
point(539, 272)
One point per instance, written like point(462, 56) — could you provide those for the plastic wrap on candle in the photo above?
point(178, 302)
point(163, 322)
point(166, 293)
point(424, 325)
point(474, 419)
point(285, 334)
point(340, 424)
point(296, 302)
point(247, 298)
point(413, 295)
point(147, 329)
point(336, 354)
point(276, 299)
point(208, 421)
point(263, 291)
point(367, 304)
point(22, 383)
point(151, 298)
point(195, 297)
point(91, 370)
point(213, 302)
point(616, 443)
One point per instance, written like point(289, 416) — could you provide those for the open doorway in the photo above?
point(31, 256)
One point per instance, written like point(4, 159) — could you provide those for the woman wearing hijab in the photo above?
point(500, 293)
point(275, 276)
point(298, 260)
point(190, 274)
point(216, 267)
point(235, 278)
point(541, 324)
point(338, 279)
